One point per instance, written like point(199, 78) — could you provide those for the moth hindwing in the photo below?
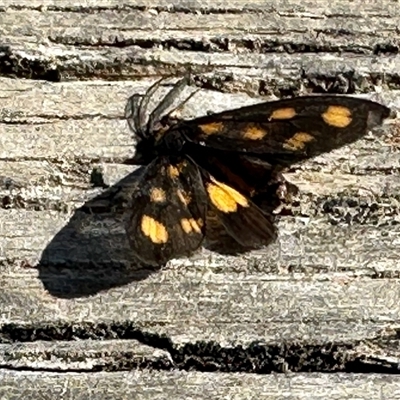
point(242, 219)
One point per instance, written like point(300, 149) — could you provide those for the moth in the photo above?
point(218, 162)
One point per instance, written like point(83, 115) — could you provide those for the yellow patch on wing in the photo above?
point(157, 195)
point(212, 128)
point(298, 141)
point(337, 116)
point(183, 197)
point(283, 113)
point(225, 198)
point(173, 171)
point(154, 230)
point(190, 225)
point(254, 132)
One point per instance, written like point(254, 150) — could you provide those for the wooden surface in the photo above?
point(80, 318)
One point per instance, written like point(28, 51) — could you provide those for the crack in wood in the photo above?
point(206, 356)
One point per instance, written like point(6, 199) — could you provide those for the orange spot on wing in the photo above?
point(157, 195)
point(190, 225)
point(254, 132)
point(225, 198)
point(154, 230)
point(212, 128)
point(283, 113)
point(337, 116)
point(298, 141)
point(173, 171)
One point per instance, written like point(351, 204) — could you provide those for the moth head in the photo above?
point(150, 127)
point(145, 123)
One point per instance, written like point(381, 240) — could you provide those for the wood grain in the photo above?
point(80, 317)
point(158, 385)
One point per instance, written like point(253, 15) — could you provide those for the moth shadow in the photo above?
point(91, 253)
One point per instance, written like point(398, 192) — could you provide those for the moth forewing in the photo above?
point(294, 129)
point(168, 210)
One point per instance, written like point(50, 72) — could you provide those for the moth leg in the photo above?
point(286, 191)
point(136, 108)
point(145, 102)
point(132, 114)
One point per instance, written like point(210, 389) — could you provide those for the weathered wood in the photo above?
point(159, 385)
point(78, 356)
point(323, 298)
point(258, 46)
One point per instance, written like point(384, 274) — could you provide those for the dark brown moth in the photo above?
point(219, 161)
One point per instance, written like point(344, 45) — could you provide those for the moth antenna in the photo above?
point(167, 101)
